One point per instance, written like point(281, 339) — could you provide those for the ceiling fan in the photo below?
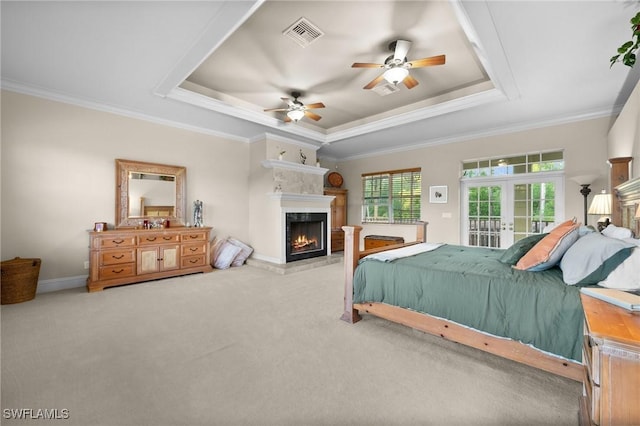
point(296, 109)
point(397, 67)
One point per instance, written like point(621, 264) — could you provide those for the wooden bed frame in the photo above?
point(627, 197)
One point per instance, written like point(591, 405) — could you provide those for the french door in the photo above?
point(498, 212)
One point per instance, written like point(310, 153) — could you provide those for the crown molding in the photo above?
point(99, 106)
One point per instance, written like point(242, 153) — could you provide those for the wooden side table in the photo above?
point(611, 358)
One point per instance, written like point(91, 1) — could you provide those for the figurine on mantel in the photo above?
point(303, 158)
point(197, 214)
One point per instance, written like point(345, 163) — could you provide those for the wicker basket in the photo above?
point(19, 280)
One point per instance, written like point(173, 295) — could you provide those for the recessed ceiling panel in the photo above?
point(258, 65)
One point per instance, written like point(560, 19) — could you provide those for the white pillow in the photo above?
point(618, 232)
point(245, 252)
point(227, 253)
point(627, 275)
point(592, 258)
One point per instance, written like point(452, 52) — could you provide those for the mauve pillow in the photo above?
point(548, 251)
point(520, 248)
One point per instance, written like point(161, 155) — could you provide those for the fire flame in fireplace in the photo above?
point(302, 242)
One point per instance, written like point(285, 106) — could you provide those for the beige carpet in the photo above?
point(247, 346)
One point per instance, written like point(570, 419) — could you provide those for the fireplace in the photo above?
point(306, 236)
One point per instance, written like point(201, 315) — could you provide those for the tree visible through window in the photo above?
point(392, 196)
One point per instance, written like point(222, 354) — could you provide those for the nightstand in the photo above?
point(611, 358)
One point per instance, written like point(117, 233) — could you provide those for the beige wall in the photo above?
point(624, 137)
point(58, 177)
point(585, 150)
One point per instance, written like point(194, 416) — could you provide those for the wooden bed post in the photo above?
point(351, 257)
point(421, 231)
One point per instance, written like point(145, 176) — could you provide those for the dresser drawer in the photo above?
point(114, 242)
point(155, 239)
point(193, 261)
point(114, 257)
point(193, 249)
point(194, 236)
point(117, 271)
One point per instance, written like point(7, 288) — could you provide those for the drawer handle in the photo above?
point(193, 237)
point(194, 249)
point(117, 272)
point(151, 238)
point(193, 261)
point(167, 238)
point(118, 257)
point(117, 241)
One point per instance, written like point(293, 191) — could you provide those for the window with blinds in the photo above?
point(392, 196)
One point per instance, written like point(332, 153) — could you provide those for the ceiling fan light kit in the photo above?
point(396, 74)
point(295, 114)
point(296, 110)
point(397, 66)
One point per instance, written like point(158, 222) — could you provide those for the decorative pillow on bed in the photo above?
point(245, 252)
point(227, 253)
point(626, 275)
point(520, 248)
point(548, 251)
point(618, 232)
point(592, 258)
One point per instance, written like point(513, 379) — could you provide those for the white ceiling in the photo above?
point(213, 66)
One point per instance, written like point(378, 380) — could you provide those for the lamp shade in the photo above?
point(295, 114)
point(601, 204)
point(396, 74)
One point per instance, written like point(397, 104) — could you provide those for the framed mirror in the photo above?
point(149, 191)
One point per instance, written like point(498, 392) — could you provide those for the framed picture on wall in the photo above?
point(438, 194)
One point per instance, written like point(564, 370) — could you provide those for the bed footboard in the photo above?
point(352, 255)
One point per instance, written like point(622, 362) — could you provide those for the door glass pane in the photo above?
point(534, 208)
point(484, 216)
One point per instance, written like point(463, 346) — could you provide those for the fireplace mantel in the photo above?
point(281, 164)
point(288, 196)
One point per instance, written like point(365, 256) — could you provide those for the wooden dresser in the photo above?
point(338, 217)
point(125, 256)
point(611, 358)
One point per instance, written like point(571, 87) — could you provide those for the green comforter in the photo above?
point(470, 286)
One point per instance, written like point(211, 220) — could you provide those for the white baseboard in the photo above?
point(269, 259)
point(46, 286)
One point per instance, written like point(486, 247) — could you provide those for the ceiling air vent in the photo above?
point(385, 89)
point(303, 32)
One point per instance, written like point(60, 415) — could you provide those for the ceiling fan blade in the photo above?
point(410, 82)
point(287, 119)
point(312, 115)
point(314, 106)
point(374, 82)
point(276, 109)
point(402, 48)
point(427, 62)
point(366, 65)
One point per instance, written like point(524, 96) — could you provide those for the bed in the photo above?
point(468, 295)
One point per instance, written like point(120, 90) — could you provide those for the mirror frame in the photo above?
point(124, 167)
